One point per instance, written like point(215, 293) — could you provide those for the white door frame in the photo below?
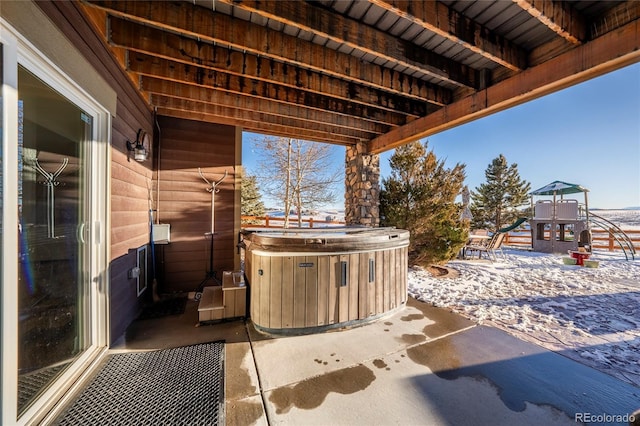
point(18, 50)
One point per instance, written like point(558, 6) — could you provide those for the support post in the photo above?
point(362, 186)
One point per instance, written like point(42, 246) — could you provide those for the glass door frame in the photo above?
point(17, 50)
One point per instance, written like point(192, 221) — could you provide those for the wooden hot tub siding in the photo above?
point(310, 291)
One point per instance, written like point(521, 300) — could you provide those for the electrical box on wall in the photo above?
point(161, 233)
point(134, 273)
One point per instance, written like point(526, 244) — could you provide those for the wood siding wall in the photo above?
point(130, 180)
point(185, 204)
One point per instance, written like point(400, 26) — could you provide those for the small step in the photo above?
point(211, 306)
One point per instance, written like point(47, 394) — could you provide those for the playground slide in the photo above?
point(514, 225)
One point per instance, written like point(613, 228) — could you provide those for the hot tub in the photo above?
point(311, 280)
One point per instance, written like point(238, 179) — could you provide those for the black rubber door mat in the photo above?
point(180, 386)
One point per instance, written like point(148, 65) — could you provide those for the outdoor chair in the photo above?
point(476, 233)
point(490, 247)
point(476, 237)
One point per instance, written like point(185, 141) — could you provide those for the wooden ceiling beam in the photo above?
point(199, 23)
point(607, 53)
point(227, 83)
point(172, 46)
point(100, 21)
point(241, 114)
point(614, 18)
point(559, 17)
point(217, 98)
point(260, 127)
point(438, 18)
point(349, 32)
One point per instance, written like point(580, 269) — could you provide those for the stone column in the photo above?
point(362, 186)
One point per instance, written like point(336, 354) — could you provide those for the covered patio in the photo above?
point(424, 365)
point(114, 111)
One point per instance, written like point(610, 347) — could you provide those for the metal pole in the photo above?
point(586, 207)
point(212, 189)
point(211, 274)
point(213, 215)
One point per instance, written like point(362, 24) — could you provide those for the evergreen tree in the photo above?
point(494, 204)
point(419, 196)
point(251, 200)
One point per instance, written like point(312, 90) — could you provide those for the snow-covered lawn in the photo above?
point(591, 315)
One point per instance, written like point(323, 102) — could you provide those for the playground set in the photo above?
point(563, 225)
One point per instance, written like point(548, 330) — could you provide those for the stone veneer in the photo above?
point(362, 186)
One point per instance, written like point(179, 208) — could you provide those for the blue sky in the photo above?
point(588, 134)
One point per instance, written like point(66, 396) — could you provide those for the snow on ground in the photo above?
point(591, 315)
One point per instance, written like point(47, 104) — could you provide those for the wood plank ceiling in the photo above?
point(384, 72)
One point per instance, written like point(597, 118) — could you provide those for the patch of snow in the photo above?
point(591, 315)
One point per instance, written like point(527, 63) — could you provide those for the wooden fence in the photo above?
point(278, 222)
point(601, 239)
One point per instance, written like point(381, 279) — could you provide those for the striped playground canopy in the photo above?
point(559, 188)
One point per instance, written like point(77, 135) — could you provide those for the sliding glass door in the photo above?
point(53, 201)
point(53, 221)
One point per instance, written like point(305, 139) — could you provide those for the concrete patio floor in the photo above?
point(419, 366)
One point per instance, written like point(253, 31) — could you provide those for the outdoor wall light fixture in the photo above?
point(141, 147)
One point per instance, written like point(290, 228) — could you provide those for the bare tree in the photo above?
point(301, 174)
